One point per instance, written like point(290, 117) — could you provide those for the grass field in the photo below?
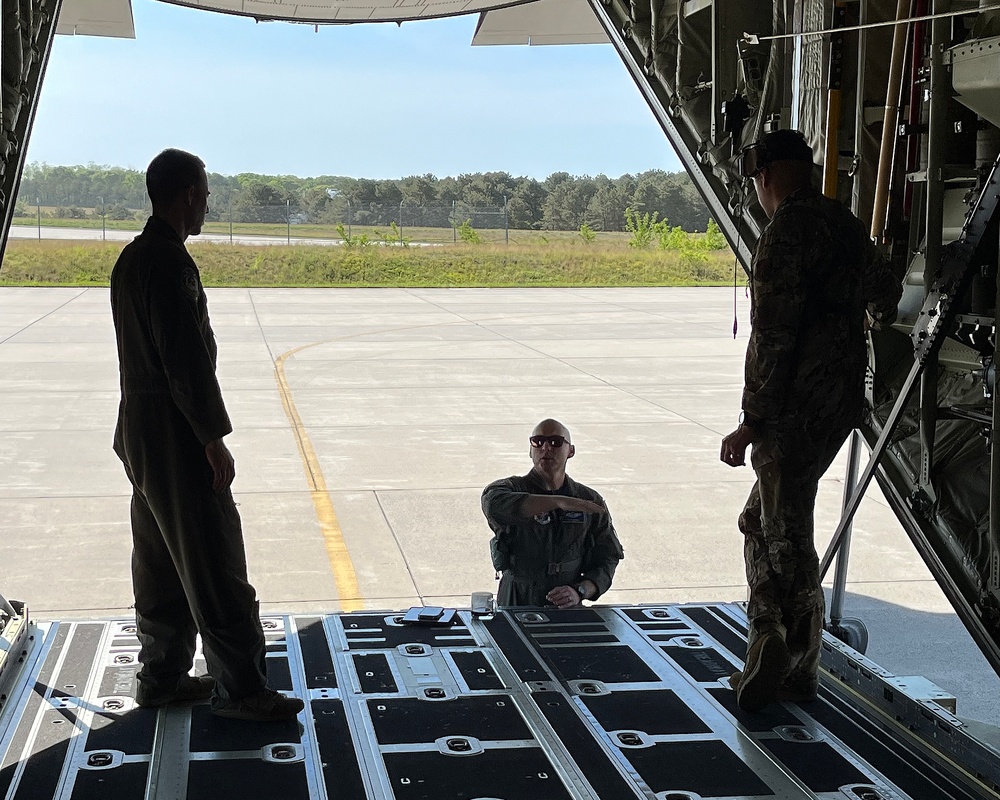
point(63, 263)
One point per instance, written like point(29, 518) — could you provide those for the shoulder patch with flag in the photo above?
point(191, 283)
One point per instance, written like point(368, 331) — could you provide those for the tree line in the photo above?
point(489, 199)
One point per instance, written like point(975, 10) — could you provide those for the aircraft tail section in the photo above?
point(27, 29)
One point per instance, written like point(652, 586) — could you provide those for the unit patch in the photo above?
point(191, 283)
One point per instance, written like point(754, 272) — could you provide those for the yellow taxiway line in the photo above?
point(344, 576)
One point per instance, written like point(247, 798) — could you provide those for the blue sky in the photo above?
point(375, 101)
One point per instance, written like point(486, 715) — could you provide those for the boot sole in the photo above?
point(761, 687)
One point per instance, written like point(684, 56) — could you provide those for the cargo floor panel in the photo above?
point(605, 703)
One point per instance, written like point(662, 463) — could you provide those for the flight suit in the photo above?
point(814, 275)
point(557, 548)
point(189, 570)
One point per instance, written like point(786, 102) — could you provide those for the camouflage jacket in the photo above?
point(814, 275)
point(558, 548)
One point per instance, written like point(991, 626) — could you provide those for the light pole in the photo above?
point(401, 222)
point(103, 226)
point(38, 205)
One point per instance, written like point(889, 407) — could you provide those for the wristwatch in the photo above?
point(581, 589)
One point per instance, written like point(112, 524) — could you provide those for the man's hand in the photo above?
point(221, 461)
point(564, 597)
point(734, 446)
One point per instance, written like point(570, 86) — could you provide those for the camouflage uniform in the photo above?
point(557, 548)
point(814, 273)
point(189, 570)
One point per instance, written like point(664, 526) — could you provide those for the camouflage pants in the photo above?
point(781, 561)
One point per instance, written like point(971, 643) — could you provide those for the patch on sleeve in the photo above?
point(189, 278)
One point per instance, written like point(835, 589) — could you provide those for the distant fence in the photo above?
point(370, 222)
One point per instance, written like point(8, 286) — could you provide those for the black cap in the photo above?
point(787, 145)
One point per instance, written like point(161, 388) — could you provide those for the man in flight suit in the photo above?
point(189, 570)
point(814, 277)
point(554, 541)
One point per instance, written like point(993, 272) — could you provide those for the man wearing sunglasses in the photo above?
point(553, 539)
point(814, 277)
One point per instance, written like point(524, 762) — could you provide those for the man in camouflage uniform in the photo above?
point(189, 569)
point(554, 541)
point(814, 276)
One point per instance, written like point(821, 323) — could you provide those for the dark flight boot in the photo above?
point(189, 689)
point(267, 705)
point(763, 672)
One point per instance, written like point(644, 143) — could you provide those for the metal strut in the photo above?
point(27, 30)
point(936, 316)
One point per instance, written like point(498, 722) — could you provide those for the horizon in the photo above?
point(361, 100)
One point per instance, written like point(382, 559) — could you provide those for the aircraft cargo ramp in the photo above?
point(604, 702)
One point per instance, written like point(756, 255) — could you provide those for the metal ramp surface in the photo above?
point(605, 702)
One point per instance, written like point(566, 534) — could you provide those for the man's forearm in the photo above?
point(535, 504)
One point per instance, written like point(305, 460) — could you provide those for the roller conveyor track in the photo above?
point(606, 702)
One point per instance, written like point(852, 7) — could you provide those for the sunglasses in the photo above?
point(752, 160)
point(554, 441)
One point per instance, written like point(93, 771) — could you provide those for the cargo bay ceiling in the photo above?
point(900, 100)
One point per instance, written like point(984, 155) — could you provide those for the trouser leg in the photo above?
point(781, 560)
point(225, 603)
point(203, 539)
point(805, 612)
point(764, 605)
point(166, 629)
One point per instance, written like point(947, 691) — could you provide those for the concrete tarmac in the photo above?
point(368, 421)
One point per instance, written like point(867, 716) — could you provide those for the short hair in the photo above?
point(170, 173)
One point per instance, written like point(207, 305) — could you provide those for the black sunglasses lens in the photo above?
point(752, 160)
point(554, 441)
